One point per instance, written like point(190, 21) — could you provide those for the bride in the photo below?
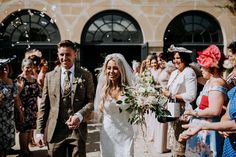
point(117, 136)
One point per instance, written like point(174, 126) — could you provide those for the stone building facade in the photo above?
point(74, 18)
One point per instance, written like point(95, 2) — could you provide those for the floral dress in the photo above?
point(28, 96)
point(7, 125)
point(206, 143)
point(230, 142)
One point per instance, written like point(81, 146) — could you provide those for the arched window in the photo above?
point(110, 27)
point(194, 30)
point(28, 29)
point(27, 26)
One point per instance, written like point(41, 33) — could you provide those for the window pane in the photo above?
point(112, 26)
point(28, 25)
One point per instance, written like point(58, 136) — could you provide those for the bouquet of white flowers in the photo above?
point(144, 96)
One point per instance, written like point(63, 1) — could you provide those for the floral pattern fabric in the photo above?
point(205, 143)
point(7, 125)
point(28, 97)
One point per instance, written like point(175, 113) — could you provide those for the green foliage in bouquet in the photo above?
point(144, 96)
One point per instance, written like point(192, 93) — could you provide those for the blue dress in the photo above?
point(205, 143)
point(230, 142)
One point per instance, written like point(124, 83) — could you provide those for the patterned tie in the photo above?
point(67, 94)
point(67, 85)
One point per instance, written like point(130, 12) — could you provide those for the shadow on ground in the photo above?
point(93, 142)
point(93, 139)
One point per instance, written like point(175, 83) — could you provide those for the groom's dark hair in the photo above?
point(66, 43)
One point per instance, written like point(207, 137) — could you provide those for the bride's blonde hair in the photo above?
point(104, 84)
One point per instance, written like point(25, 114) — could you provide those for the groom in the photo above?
point(62, 116)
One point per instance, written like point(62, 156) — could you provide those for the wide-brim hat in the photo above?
point(5, 61)
point(172, 48)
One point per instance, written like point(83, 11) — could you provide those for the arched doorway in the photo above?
point(194, 30)
point(28, 29)
point(109, 32)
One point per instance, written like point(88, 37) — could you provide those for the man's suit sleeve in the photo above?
point(44, 108)
point(89, 85)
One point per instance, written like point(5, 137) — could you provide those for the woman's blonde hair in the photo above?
point(104, 84)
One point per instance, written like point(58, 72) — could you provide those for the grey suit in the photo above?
point(53, 113)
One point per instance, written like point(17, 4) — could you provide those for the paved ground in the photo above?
point(142, 149)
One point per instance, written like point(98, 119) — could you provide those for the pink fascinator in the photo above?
point(209, 57)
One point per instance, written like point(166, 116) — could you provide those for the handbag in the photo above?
point(204, 103)
point(174, 108)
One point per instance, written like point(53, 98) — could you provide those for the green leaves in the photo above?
point(143, 96)
point(119, 102)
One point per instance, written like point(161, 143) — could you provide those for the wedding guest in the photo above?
point(29, 90)
point(182, 87)
point(117, 133)
point(8, 93)
point(36, 56)
point(226, 125)
point(150, 119)
point(154, 68)
point(67, 99)
point(230, 66)
point(146, 64)
point(136, 67)
point(43, 69)
point(231, 78)
point(210, 103)
point(33, 52)
point(164, 71)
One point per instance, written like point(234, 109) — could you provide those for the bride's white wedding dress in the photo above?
point(117, 136)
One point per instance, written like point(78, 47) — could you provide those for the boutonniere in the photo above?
point(79, 81)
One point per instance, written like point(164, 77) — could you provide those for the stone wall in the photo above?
point(153, 16)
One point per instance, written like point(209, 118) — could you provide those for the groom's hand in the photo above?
point(39, 139)
point(73, 122)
